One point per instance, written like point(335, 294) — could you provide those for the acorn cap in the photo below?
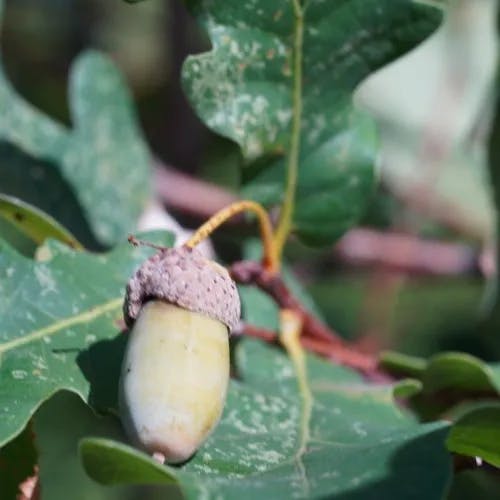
point(183, 276)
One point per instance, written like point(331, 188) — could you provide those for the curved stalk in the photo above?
point(286, 216)
point(270, 259)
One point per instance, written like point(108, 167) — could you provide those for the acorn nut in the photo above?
point(180, 307)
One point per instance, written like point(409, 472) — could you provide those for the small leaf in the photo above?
point(455, 371)
point(34, 223)
point(477, 434)
point(448, 380)
point(458, 371)
point(111, 462)
point(403, 364)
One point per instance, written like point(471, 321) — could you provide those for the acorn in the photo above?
point(181, 308)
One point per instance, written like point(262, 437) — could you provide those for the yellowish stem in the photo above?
point(269, 259)
point(290, 328)
point(292, 169)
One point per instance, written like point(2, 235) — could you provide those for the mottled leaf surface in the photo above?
point(59, 330)
point(357, 443)
point(242, 89)
point(103, 157)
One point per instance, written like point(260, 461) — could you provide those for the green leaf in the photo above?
point(452, 371)
point(458, 371)
point(111, 462)
point(242, 89)
point(57, 441)
point(448, 380)
point(357, 442)
point(477, 434)
point(402, 364)
point(103, 157)
point(33, 222)
point(60, 327)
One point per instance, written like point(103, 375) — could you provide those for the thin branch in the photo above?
point(339, 354)
point(189, 195)
point(406, 253)
point(359, 247)
point(252, 273)
point(316, 336)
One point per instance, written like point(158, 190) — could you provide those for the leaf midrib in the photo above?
point(84, 317)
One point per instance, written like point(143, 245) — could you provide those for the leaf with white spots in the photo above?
point(242, 89)
point(60, 327)
point(103, 158)
point(357, 442)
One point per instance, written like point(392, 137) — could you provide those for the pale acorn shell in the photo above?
point(174, 379)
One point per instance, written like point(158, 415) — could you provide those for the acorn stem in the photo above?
point(270, 258)
point(137, 242)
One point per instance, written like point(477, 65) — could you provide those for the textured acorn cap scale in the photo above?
point(184, 277)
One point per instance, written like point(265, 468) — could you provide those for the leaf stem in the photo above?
point(285, 222)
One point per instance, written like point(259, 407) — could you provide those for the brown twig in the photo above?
point(189, 195)
point(406, 253)
point(340, 354)
point(316, 336)
point(252, 273)
point(359, 247)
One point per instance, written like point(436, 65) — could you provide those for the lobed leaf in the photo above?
point(60, 320)
point(103, 158)
point(242, 89)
